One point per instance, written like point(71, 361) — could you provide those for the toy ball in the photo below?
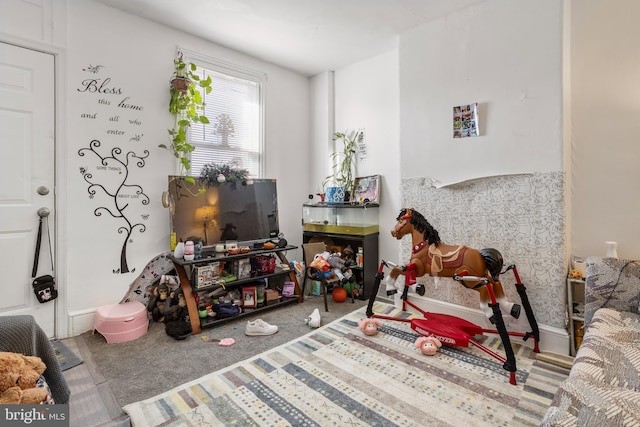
point(575, 274)
point(339, 295)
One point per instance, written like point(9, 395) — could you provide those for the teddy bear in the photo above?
point(369, 326)
point(428, 345)
point(18, 377)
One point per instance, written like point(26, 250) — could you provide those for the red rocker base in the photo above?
point(454, 331)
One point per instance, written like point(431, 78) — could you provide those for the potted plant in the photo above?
point(186, 105)
point(344, 165)
point(214, 174)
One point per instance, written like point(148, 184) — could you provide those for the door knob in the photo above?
point(43, 212)
point(42, 190)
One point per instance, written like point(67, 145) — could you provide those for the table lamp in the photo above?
point(204, 215)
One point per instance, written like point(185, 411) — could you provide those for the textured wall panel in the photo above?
point(522, 216)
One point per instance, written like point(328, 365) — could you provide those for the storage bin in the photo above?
point(266, 264)
point(121, 322)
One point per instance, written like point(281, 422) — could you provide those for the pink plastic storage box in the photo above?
point(121, 322)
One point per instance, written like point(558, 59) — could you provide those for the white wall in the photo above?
point(137, 55)
point(135, 59)
point(507, 57)
point(498, 53)
point(605, 127)
point(504, 55)
point(366, 96)
point(322, 130)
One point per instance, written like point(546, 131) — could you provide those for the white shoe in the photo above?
point(314, 319)
point(260, 327)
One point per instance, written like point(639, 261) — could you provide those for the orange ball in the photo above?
point(339, 295)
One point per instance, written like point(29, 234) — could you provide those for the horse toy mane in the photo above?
point(420, 223)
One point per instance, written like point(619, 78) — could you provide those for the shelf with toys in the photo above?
point(219, 286)
point(575, 307)
point(365, 248)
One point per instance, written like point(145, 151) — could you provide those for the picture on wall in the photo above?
point(465, 120)
point(366, 190)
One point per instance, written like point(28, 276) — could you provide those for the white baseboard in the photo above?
point(80, 321)
point(552, 339)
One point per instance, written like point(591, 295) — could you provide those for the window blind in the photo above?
point(234, 132)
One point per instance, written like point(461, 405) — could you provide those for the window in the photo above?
point(235, 109)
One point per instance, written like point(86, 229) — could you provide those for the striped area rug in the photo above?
point(337, 376)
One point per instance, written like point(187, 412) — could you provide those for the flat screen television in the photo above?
point(246, 212)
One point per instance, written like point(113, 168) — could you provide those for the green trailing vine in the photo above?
point(186, 105)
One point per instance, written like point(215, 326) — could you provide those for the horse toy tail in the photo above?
point(494, 262)
point(493, 259)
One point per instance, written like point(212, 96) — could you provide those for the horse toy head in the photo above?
point(428, 345)
point(369, 326)
point(409, 220)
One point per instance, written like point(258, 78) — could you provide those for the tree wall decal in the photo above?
point(118, 193)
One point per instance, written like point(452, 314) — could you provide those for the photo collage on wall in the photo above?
point(465, 120)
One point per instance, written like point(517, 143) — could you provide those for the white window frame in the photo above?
point(234, 70)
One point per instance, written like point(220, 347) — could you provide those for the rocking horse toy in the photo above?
point(474, 269)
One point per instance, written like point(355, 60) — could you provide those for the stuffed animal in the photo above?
point(18, 377)
point(320, 262)
point(428, 345)
point(336, 262)
point(340, 268)
point(159, 302)
point(369, 326)
point(177, 324)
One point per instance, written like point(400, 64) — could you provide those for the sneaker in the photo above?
point(260, 327)
point(314, 319)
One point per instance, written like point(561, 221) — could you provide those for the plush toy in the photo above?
point(336, 262)
point(18, 377)
point(177, 309)
point(428, 345)
point(177, 324)
point(349, 255)
point(159, 302)
point(340, 268)
point(369, 326)
point(320, 262)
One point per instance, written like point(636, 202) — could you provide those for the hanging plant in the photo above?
point(186, 105)
point(214, 174)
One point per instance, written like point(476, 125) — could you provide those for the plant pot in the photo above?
point(180, 84)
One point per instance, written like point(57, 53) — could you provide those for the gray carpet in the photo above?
point(155, 362)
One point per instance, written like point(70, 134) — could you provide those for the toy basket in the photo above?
point(266, 264)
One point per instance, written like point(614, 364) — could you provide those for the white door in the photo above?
point(26, 173)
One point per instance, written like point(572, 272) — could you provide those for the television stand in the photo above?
point(185, 271)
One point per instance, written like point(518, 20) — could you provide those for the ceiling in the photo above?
point(306, 36)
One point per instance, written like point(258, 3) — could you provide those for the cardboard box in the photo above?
point(271, 296)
